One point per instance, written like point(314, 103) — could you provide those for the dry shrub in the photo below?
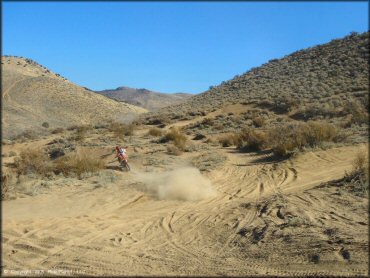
point(259, 121)
point(207, 122)
point(317, 132)
point(199, 136)
point(173, 150)
point(81, 132)
point(158, 120)
point(211, 141)
point(229, 140)
point(81, 162)
point(361, 163)
point(252, 140)
point(27, 135)
point(357, 181)
point(155, 132)
point(5, 184)
point(32, 161)
point(121, 130)
point(357, 112)
point(285, 139)
point(178, 139)
point(58, 130)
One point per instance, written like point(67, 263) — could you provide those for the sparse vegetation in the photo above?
point(252, 140)
point(45, 124)
point(285, 139)
point(58, 130)
point(81, 132)
point(229, 140)
point(78, 163)
point(33, 161)
point(120, 130)
point(5, 184)
point(259, 121)
point(310, 84)
point(357, 180)
point(209, 160)
point(155, 132)
point(171, 149)
point(175, 136)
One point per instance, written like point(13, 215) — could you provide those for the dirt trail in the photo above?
point(6, 95)
point(120, 229)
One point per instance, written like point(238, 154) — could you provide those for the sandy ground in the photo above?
point(250, 216)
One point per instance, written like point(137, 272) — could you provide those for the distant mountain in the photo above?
point(144, 98)
point(32, 95)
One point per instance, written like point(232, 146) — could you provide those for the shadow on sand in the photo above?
point(261, 157)
point(114, 167)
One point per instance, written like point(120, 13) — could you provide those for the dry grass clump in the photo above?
point(121, 130)
point(252, 140)
point(81, 132)
point(317, 132)
point(57, 130)
point(155, 132)
point(157, 120)
point(357, 181)
point(5, 184)
point(259, 121)
point(230, 140)
point(358, 114)
point(81, 162)
point(207, 122)
point(173, 150)
point(286, 139)
point(26, 135)
point(33, 161)
point(178, 139)
point(36, 161)
point(360, 163)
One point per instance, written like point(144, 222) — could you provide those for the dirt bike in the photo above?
point(124, 163)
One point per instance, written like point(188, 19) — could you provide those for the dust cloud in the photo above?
point(185, 184)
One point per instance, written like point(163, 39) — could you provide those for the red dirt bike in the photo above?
point(124, 163)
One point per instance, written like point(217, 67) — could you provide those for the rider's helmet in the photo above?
point(117, 148)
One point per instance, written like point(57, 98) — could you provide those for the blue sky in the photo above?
point(169, 46)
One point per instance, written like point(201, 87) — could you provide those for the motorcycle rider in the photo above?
point(121, 153)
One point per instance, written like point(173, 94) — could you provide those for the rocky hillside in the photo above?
point(316, 82)
point(144, 98)
point(35, 98)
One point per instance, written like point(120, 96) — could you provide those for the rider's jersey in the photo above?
point(121, 153)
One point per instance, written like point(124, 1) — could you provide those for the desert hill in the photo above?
point(33, 95)
point(144, 98)
point(318, 82)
